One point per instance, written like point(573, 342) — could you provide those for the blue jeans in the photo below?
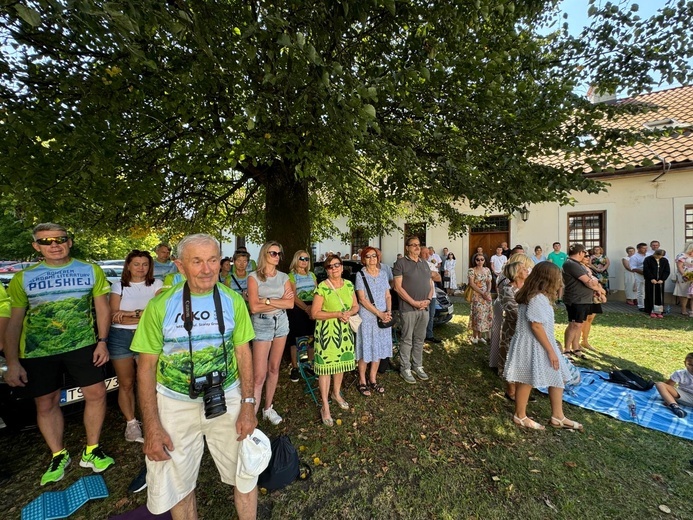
point(431, 315)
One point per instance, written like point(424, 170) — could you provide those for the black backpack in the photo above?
point(284, 466)
point(629, 379)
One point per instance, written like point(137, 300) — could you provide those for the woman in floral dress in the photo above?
point(481, 317)
point(600, 267)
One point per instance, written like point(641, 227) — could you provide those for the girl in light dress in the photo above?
point(534, 359)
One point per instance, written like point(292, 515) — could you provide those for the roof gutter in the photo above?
point(645, 170)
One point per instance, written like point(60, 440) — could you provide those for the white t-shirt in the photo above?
point(134, 297)
point(497, 263)
point(684, 379)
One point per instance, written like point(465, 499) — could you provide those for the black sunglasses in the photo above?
point(303, 258)
point(274, 254)
point(48, 241)
point(333, 266)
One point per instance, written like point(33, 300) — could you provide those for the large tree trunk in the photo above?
point(287, 207)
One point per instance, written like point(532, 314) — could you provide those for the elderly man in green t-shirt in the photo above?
point(193, 341)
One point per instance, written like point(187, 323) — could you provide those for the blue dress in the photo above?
point(372, 342)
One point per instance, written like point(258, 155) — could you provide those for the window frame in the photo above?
point(688, 223)
point(588, 243)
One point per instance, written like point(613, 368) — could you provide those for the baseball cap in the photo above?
point(254, 455)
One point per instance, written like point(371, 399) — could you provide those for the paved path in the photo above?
point(608, 307)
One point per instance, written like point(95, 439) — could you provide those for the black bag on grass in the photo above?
point(284, 466)
point(629, 379)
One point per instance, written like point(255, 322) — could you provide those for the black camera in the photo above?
point(210, 385)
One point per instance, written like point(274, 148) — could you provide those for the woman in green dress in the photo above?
point(333, 304)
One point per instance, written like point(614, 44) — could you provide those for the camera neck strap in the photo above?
point(188, 323)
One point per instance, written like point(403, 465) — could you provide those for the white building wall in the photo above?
point(637, 210)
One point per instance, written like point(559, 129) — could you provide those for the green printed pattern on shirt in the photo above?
point(161, 332)
point(58, 303)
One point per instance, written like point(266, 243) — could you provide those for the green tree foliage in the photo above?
point(274, 118)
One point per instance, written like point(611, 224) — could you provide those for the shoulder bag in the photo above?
point(354, 320)
point(382, 324)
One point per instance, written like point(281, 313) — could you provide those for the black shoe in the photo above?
point(294, 375)
point(677, 411)
point(139, 483)
point(309, 372)
point(434, 340)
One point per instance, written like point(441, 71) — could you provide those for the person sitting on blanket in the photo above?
point(683, 394)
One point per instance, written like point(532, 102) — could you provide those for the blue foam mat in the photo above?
point(61, 504)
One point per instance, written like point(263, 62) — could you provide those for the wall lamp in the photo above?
point(524, 213)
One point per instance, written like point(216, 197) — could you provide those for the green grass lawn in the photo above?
point(444, 449)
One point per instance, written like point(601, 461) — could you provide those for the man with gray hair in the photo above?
point(193, 342)
point(51, 328)
point(412, 282)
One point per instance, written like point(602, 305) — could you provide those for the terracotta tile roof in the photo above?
point(675, 107)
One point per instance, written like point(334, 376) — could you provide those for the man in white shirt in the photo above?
point(498, 261)
point(434, 256)
point(636, 262)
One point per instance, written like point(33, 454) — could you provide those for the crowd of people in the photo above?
point(202, 338)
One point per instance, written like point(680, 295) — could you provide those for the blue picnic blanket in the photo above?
point(596, 394)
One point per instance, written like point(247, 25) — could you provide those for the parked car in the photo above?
point(112, 272)
point(120, 262)
point(17, 409)
point(5, 278)
point(444, 307)
point(19, 266)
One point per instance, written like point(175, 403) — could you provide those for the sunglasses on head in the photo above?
point(49, 240)
point(334, 266)
point(274, 254)
point(303, 258)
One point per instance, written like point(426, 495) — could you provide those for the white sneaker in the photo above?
point(419, 372)
point(133, 432)
point(272, 416)
point(475, 340)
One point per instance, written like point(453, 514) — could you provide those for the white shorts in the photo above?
point(170, 481)
point(685, 398)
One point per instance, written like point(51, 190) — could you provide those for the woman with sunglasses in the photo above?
point(269, 296)
point(481, 316)
point(334, 302)
point(301, 323)
point(128, 299)
point(372, 342)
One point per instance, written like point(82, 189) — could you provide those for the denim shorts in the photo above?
point(119, 341)
point(270, 326)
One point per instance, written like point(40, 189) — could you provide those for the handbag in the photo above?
point(468, 293)
point(354, 320)
point(382, 324)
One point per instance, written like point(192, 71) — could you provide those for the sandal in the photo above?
point(377, 388)
point(566, 423)
point(578, 353)
point(363, 390)
point(526, 422)
point(342, 404)
point(327, 421)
